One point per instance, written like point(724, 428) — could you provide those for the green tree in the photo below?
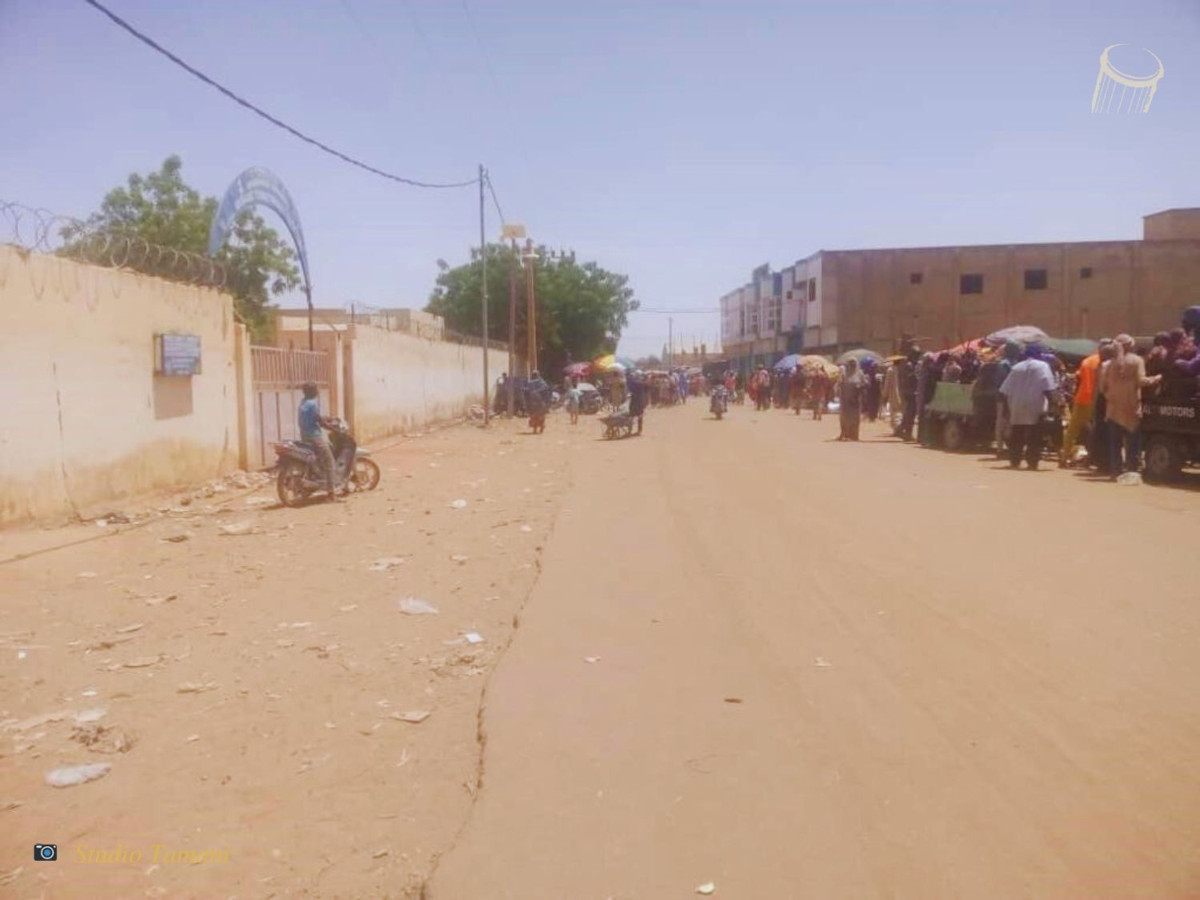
point(581, 307)
point(165, 212)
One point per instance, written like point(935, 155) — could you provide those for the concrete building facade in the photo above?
point(837, 300)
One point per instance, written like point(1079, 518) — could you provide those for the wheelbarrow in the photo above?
point(618, 425)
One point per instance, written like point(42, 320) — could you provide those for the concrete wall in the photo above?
point(398, 382)
point(86, 421)
point(1172, 225)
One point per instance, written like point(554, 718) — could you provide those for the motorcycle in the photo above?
point(300, 470)
point(719, 403)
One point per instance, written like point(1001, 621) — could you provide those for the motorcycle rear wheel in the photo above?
point(366, 475)
point(290, 485)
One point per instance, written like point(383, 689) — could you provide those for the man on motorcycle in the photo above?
point(312, 425)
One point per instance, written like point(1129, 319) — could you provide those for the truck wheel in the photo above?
point(1164, 458)
point(954, 436)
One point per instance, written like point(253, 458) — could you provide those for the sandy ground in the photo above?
point(747, 656)
point(249, 682)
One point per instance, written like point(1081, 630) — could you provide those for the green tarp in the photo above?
point(1071, 349)
point(952, 399)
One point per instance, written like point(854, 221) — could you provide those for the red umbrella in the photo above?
point(577, 370)
point(976, 345)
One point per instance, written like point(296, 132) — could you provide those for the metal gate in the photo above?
point(277, 378)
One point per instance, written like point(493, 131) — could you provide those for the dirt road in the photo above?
point(827, 670)
point(747, 655)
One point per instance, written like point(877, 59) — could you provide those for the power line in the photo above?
point(672, 312)
point(270, 118)
point(501, 95)
point(495, 202)
point(416, 24)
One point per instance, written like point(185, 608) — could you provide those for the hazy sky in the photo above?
point(681, 143)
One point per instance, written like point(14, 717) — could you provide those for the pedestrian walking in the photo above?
point(854, 386)
point(574, 398)
point(1012, 355)
point(1083, 405)
point(796, 389)
point(637, 398)
point(906, 376)
point(1024, 396)
point(1122, 380)
point(820, 392)
point(874, 394)
point(762, 389)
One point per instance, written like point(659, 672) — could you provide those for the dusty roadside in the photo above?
point(246, 672)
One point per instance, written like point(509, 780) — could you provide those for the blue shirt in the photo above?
point(310, 418)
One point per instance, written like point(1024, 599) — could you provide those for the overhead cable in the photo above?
point(270, 118)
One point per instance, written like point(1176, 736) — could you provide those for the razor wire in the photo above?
point(44, 231)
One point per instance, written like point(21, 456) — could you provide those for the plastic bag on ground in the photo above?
point(69, 776)
point(413, 607)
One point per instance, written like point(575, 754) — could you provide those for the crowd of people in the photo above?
point(1030, 397)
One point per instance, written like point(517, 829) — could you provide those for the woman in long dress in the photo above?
point(854, 386)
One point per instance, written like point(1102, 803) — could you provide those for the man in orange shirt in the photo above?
point(1081, 410)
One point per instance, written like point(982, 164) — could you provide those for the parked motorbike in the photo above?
point(300, 470)
point(719, 402)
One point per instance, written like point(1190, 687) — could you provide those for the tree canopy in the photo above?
point(581, 307)
point(162, 209)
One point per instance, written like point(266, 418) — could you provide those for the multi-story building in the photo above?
point(837, 300)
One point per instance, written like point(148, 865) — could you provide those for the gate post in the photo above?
point(337, 377)
point(248, 444)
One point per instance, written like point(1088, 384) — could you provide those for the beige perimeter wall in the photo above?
point(398, 382)
point(85, 419)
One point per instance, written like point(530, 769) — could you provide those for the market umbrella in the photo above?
point(1071, 349)
point(812, 363)
point(788, 363)
point(1024, 334)
point(577, 370)
point(862, 354)
point(976, 344)
point(604, 363)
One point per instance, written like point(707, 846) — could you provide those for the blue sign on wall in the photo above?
point(177, 354)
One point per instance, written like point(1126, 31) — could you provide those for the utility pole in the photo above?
point(512, 329)
point(531, 313)
point(510, 232)
point(670, 340)
point(487, 406)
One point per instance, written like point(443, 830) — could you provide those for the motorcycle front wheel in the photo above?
point(290, 484)
point(366, 475)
